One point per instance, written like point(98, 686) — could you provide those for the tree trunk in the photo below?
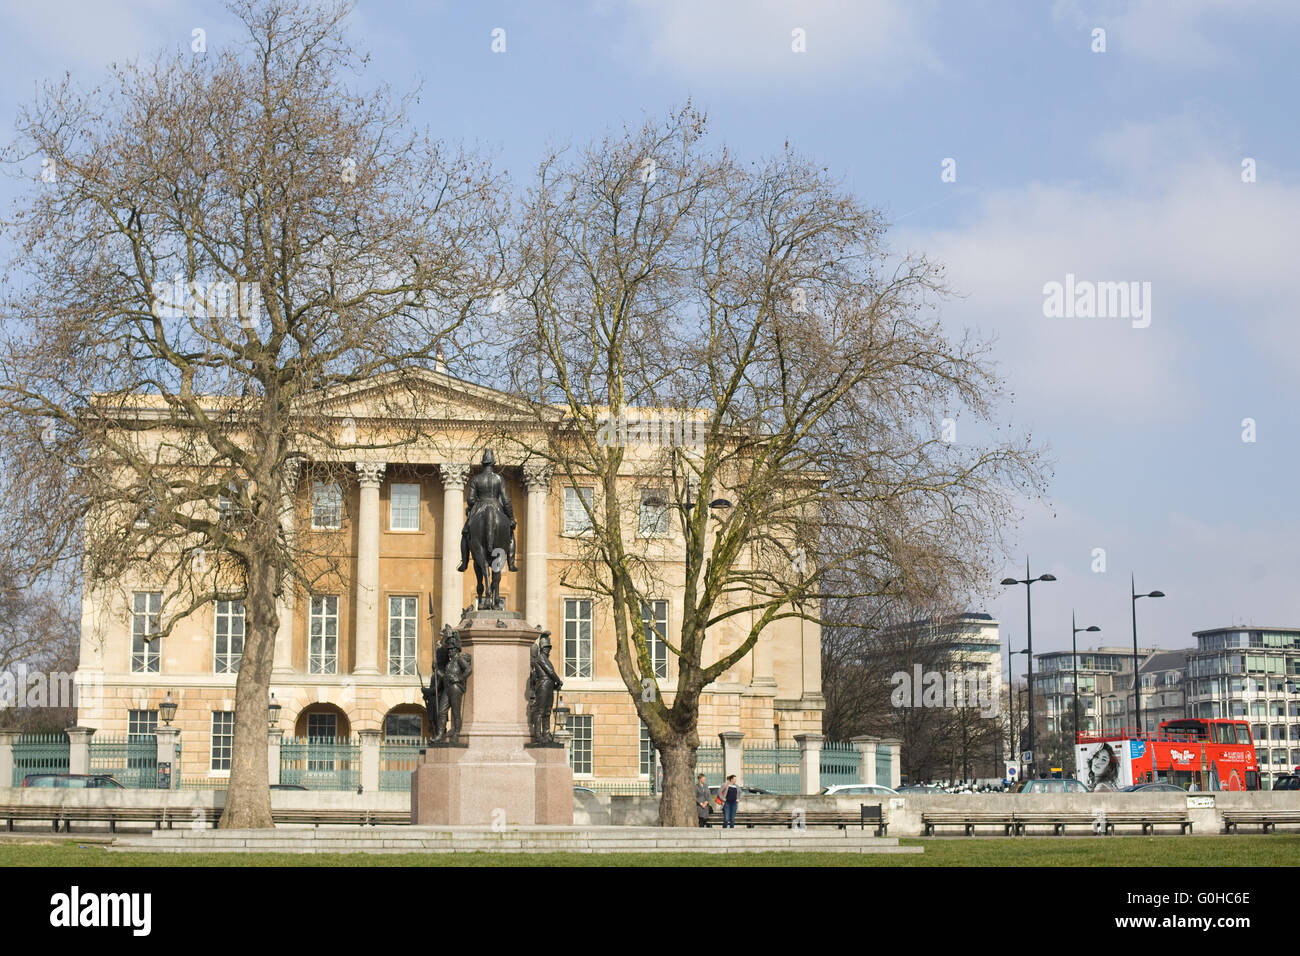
point(677, 803)
point(248, 796)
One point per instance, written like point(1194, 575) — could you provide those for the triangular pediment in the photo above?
point(431, 396)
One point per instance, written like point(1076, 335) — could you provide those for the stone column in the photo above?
point(369, 760)
point(810, 762)
point(273, 738)
point(895, 746)
point(79, 750)
point(453, 519)
point(7, 739)
point(285, 603)
point(733, 756)
point(169, 752)
point(866, 745)
point(763, 683)
point(537, 482)
point(369, 473)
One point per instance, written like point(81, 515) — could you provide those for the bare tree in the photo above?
point(752, 311)
point(222, 248)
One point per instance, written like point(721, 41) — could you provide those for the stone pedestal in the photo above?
point(494, 776)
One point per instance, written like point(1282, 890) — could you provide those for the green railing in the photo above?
point(884, 763)
point(204, 783)
point(630, 788)
point(321, 763)
point(132, 759)
point(39, 753)
point(772, 767)
point(840, 763)
point(708, 761)
point(397, 759)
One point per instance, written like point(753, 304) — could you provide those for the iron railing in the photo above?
point(40, 753)
point(398, 757)
point(771, 766)
point(321, 763)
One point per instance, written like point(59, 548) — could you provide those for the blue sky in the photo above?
point(1122, 165)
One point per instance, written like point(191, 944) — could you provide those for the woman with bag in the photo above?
point(729, 795)
point(703, 805)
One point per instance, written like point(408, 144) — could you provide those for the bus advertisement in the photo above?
point(1210, 754)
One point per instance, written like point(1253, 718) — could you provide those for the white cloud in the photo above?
point(749, 41)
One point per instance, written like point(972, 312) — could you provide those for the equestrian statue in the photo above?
point(489, 534)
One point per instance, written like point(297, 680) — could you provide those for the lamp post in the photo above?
point(273, 712)
point(1011, 696)
point(1137, 683)
point(1074, 659)
point(1028, 581)
point(167, 710)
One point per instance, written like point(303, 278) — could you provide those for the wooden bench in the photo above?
point(1148, 820)
point(62, 817)
point(1265, 819)
point(798, 819)
point(969, 819)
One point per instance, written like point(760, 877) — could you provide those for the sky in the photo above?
point(1011, 141)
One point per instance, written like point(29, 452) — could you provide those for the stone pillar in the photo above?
point(537, 482)
point(810, 640)
point(810, 762)
point(866, 745)
point(169, 752)
point(273, 738)
point(369, 760)
point(285, 603)
point(763, 682)
point(369, 473)
point(895, 746)
point(453, 519)
point(733, 756)
point(79, 751)
point(7, 739)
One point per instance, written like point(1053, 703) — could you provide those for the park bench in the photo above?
point(1106, 821)
point(62, 817)
point(1265, 819)
point(969, 819)
point(872, 814)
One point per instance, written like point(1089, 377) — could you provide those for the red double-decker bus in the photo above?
point(1214, 754)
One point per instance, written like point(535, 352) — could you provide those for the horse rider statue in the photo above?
point(489, 532)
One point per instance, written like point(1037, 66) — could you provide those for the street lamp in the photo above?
point(273, 712)
point(1011, 698)
point(1027, 581)
point(167, 710)
point(1137, 683)
point(1074, 658)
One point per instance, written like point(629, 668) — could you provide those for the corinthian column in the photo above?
point(453, 519)
point(285, 603)
point(369, 473)
point(537, 481)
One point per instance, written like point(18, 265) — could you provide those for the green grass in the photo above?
point(1280, 849)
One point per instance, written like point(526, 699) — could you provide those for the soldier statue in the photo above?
point(489, 533)
point(543, 685)
point(452, 668)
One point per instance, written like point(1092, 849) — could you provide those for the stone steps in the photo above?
point(417, 839)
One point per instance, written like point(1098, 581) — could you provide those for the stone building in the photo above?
point(351, 648)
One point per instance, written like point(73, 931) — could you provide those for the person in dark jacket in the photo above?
point(730, 795)
point(702, 801)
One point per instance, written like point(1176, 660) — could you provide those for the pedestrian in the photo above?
point(703, 803)
point(730, 794)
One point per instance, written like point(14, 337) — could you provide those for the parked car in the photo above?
point(859, 790)
point(584, 790)
point(1152, 788)
point(287, 786)
point(73, 781)
point(1055, 785)
point(743, 790)
point(1287, 781)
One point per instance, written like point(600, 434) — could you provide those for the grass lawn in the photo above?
point(1278, 849)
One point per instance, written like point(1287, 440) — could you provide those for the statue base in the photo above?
point(496, 775)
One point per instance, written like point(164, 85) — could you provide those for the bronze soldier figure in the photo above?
point(453, 668)
point(543, 685)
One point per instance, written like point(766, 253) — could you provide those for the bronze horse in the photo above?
point(490, 537)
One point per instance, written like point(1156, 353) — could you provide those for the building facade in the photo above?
point(354, 645)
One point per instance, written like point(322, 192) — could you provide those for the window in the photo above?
point(647, 752)
point(401, 634)
point(654, 616)
point(321, 729)
point(654, 513)
point(230, 503)
point(403, 507)
point(223, 738)
point(577, 520)
point(141, 723)
point(580, 754)
point(403, 725)
point(146, 656)
point(323, 652)
point(326, 506)
point(577, 638)
point(229, 638)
